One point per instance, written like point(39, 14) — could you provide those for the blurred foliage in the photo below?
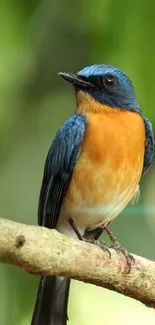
point(37, 40)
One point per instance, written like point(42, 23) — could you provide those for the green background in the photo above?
point(37, 40)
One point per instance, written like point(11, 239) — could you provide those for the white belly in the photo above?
point(89, 218)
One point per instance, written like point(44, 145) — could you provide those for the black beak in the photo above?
point(76, 80)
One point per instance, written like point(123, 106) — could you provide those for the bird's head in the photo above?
point(106, 84)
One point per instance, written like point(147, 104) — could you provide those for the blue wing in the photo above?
point(61, 159)
point(149, 145)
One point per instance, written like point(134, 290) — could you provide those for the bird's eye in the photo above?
point(109, 81)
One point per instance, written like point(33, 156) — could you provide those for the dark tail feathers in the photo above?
point(51, 303)
point(52, 297)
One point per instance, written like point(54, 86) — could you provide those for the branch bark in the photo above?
point(39, 250)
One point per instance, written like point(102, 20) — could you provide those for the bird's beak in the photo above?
point(76, 80)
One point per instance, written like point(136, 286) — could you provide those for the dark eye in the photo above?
point(109, 81)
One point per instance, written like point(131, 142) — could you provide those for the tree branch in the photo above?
point(39, 250)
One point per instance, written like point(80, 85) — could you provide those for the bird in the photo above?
point(92, 170)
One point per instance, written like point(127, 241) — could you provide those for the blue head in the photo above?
point(106, 84)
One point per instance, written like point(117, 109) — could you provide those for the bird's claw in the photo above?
point(105, 247)
point(129, 258)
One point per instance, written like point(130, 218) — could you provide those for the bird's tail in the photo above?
point(51, 302)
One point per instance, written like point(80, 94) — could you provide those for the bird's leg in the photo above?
point(116, 245)
point(74, 227)
point(102, 245)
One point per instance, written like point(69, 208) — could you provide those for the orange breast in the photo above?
point(109, 168)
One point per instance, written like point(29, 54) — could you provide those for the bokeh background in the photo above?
point(37, 40)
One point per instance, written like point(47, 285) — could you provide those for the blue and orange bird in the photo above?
point(92, 170)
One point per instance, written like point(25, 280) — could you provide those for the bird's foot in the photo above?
point(102, 245)
point(105, 247)
point(129, 258)
point(116, 245)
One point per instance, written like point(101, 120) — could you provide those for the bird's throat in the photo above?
point(87, 104)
